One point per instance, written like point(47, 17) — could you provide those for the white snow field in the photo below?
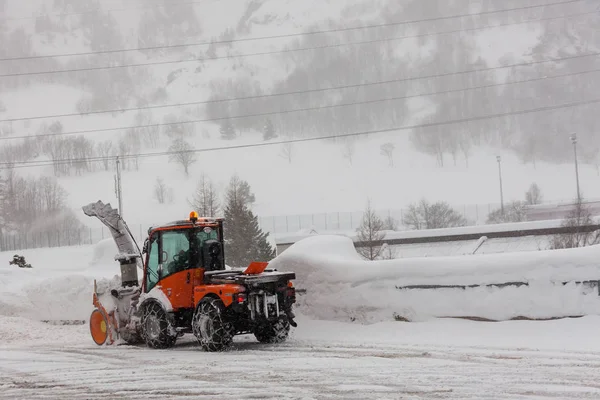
point(432, 358)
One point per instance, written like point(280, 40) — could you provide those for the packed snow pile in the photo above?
point(60, 284)
point(341, 285)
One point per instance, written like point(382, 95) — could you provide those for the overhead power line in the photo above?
point(112, 10)
point(308, 91)
point(118, 10)
point(263, 53)
point(25, 164)
point(300, 34)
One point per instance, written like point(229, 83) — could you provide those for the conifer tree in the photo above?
point(244, 240)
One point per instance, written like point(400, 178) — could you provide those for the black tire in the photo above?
point(276, 332)
point(211, 328)
point(156, 329)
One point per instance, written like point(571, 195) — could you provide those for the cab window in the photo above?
point(152, 267)
point(175, 252)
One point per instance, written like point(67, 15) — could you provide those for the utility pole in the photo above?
point(118, 189)
point(499, 159)
point(574, 141)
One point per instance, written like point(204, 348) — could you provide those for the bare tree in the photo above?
point(134, 144)
point(513, 212)
point(465, 144)
point(370, 235)
point(390, 224)
point(387, 150)
point(533, 195)
point(348, 150)
point(53, 195)
point(578, 218)
point(175, 128)
point(106, 151)
point(148, 133)
point(83, 150)
point(206, 199)
point(60, 149)
point(160, 191)
point(182, 153)
point(388, 252)
point(432, 216)
point(287, 150)
point(124, 150)
point(431, 141)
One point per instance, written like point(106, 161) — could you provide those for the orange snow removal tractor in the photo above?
point(186, 288)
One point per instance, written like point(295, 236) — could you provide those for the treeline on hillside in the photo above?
point(80, 154)
point(245, 240)
point(35, 209)
point(534, 137)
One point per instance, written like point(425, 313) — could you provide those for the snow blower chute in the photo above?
point(111, 319)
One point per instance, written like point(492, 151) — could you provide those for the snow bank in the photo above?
point(341, 285)
point(60, 284)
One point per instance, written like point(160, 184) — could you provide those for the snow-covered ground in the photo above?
point(323, 358)
point(444, 359)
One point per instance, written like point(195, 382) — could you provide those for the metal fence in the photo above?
point(475, 214)
point(60, 238)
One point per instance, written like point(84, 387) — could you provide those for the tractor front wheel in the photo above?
point(156, 328)
point(211, 328)
point(276, 332)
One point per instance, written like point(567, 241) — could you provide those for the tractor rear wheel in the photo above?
point(210, 326)
point(276, 332)
point(156, 328)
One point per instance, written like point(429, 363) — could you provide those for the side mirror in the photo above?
point(145, 248)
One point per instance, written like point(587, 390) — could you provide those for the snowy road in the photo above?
point(434, 360)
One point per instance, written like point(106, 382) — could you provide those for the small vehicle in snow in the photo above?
point(186, 288)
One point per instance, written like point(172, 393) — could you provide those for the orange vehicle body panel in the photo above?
point(256, 268)
point(225, 292)
point(179, 288)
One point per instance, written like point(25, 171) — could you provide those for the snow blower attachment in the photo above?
point(186, 288)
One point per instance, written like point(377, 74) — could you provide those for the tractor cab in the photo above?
point(177, 255)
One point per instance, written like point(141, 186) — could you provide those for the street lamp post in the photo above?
point(574, 141)
point(499, 159)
